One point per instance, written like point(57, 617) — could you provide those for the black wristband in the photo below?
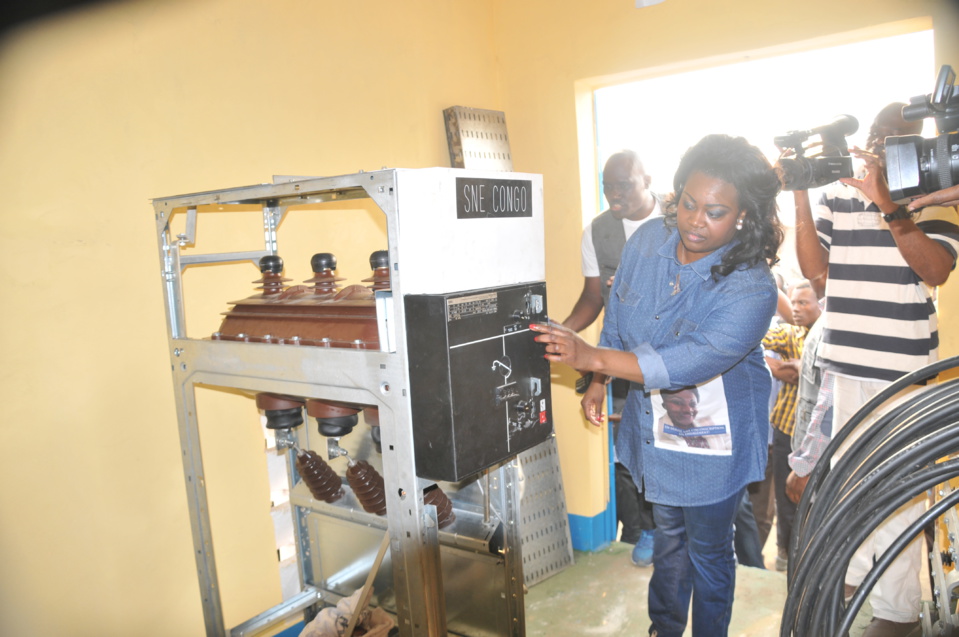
point(900, 213)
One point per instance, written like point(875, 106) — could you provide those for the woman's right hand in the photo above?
point(563, 345)
point(592, 402)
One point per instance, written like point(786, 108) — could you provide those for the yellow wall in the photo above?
point(98, 114)
point(102, 110)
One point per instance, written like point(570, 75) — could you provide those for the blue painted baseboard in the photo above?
point(592, 533)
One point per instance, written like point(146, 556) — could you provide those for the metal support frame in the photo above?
point(378, 378)
point(504, 485)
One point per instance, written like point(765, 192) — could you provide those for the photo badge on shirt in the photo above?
point(693, 419)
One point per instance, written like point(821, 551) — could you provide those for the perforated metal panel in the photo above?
point(477, 139)
point(544, 525)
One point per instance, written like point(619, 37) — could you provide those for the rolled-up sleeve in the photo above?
point(653, 366)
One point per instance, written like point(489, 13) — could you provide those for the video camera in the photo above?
point(917, 166)
point(832, 162)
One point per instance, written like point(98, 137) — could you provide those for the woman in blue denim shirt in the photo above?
point(690, 303)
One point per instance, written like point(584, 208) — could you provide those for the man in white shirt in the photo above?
point(626, 188)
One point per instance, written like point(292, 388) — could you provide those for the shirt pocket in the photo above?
point(681, 327)
point(626, 295)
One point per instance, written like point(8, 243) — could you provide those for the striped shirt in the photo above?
point(787, 341)
point(880, 321)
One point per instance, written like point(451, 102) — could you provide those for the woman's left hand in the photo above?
point(592, 402)
point(563, 345)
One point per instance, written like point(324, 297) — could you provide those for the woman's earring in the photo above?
point(739, 224)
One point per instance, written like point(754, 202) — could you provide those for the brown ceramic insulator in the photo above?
point(444, 508)
point(324, 278)
point(266, 401)
point(271, 284)
point(293, 292)
point(380, 264)
point(333, 419)
point(323, 482)
point(355, 293)
point(300, 316)
point(367, 486)
point(324, 283)
point(323, 409)
point(271, 266)
point(282, 412)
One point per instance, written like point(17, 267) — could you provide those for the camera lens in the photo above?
point(796, 173)
point(941, 161)
point(917, 166)
point(802, 173)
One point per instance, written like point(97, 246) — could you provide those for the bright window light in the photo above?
point(759, 99)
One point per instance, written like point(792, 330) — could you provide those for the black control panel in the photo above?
point(480, 387)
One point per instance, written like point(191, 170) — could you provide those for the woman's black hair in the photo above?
point(737, 162)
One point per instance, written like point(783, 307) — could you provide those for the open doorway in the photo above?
point(661, 115)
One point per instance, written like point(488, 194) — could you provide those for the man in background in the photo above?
point(787, 340)
point(813, 417)
point(626, 188)
point(762, 496)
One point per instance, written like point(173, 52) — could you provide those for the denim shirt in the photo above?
point(706, 334)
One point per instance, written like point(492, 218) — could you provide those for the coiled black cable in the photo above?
point(867, 507)
point(822, 469)
point(899, 435)
point(852, 511)
point(913, 530)
point(832, 574)
point(890, 463)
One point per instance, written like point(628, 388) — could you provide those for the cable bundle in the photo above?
point(896, 459)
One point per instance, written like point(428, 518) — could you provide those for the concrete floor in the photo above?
point(602, 593)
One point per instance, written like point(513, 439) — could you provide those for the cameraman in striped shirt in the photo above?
point(880, 263)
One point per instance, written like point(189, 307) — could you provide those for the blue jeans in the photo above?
point(693, 557)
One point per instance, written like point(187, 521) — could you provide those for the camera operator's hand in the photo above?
point(928, 259)
point(873, 185)
point(944, 197)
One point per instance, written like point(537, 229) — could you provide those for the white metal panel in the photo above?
point(442, 253)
